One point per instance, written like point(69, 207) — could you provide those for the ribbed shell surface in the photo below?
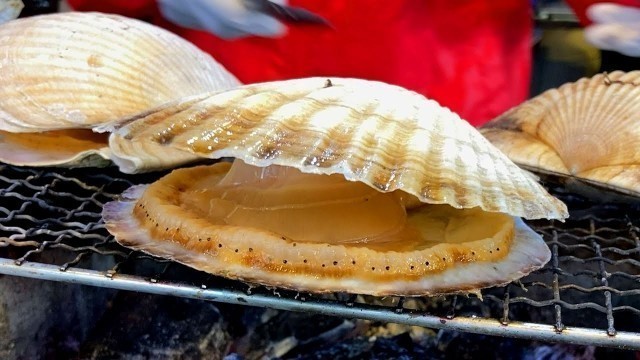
point(75, 70)
point(589, 129)
point(383, 135)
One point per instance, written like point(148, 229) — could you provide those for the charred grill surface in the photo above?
point(51, 217)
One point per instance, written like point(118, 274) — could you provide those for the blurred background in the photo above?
point(560, 52)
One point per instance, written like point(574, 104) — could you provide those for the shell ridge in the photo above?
point(590, 124)
point(98, 78)
point(376, 151)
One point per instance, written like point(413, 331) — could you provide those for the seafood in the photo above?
point(73, 148)
point(588, 131)
point(80, 70)
point(337, 185)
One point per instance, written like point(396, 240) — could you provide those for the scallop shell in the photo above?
point(80, 70)
point(382, 135)
point(284, 214)
point(65, 148)
point(157, 219)
point(588, 130)
point(75, 70)
point(142, 155)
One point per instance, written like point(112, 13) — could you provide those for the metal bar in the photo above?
point(451, 313)
point(611, 330)
point(556, 289)
point(505, 305)
point(633, 232)
point(574, 335)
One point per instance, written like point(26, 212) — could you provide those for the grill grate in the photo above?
point(589, 293)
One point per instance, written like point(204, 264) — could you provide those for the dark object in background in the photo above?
point(37, 7)
point(287, 13)
point(612, 61)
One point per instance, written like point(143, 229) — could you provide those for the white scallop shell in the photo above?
point(143, 155)
point(383, 135)
point(76, 70)
point(588, 130)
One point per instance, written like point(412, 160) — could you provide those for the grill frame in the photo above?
point(593, 273)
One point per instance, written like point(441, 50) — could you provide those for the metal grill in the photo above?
point(589, 293)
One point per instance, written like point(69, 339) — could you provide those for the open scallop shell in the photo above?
point(588, 130)
point(316, 199)
point(382, 135)
point(152, 219)
point(79, 70)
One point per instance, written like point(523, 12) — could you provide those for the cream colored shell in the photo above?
point(144, 155)
point(589, 130)
point(383, 135)
point(76, 70)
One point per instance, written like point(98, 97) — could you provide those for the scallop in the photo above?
point(336, 185)
point(80, 70)
point(587, 132)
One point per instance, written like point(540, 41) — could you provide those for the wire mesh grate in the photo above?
point(50, 227)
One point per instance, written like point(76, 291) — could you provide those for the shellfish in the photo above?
point(337, 185)
point(79, 70)
point(588, 131)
